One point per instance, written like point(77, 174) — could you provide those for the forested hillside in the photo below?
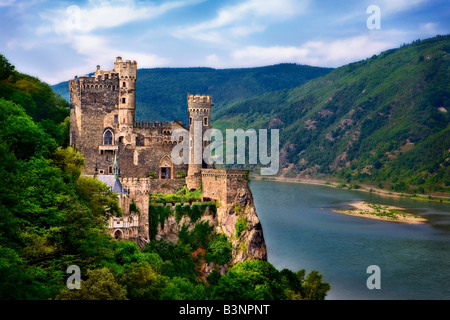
point(51, 218)
point(382, 121)
point(161, 93)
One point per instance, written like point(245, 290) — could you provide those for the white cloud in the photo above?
point(319, 53)
point(243, 19)
point(429, 28)
point(395, 6)
point(7, 3)
point(104, 15)
point(98, 50)
point(80, 30)
point(212, 60)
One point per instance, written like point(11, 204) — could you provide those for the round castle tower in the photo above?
point(199, 111)
point(127, 83)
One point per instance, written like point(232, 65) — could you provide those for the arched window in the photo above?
point(124, 84)
point(205, 121)
point(108, 137)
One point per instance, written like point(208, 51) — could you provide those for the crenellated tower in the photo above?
point(102, 113)
point(127, 72)
point(199, 111)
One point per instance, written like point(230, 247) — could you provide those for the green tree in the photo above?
point(22, 136)
point(233, 286)
point(100, 285)
point(251, 279)
point(314, 287)
point(142, 281)
point(98, 196)
point(6, 69)
point(182, 289)
point(219, 250)
point(69, 161)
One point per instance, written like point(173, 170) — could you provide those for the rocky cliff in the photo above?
point(237, 220)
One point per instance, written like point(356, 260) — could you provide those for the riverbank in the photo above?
point(368, 210)
point(364, 188)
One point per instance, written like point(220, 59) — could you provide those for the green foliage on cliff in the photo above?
point(51, 218)
point(38, 100)
point(198, 244)
point(157, 215)
point(194, 211)
point(182, 195)
point(241, 225)
point(259, 280)
point(382, 121)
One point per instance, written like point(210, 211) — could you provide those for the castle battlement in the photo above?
point(225, 173)
point(199, 98)
point(127, 69)
point(119, 61)
point(152, 124)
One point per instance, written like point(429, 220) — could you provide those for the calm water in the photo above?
point(302, 232)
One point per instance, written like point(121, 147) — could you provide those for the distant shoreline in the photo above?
point(364, 188)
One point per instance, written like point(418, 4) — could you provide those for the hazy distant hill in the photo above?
point(384, 120)
point(161, 93)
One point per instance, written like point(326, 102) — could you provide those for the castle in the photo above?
point(134, 158)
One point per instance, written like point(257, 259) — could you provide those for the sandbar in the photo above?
point(381, 212)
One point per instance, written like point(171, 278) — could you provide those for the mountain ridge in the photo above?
point(383, 120)
point(161, 92)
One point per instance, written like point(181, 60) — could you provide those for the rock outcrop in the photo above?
point(238, 220)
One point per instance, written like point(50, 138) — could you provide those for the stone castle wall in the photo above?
point(138, 189)
point(222, 184)
point(103, 129)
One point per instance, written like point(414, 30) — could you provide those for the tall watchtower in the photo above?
point(127, 72)
point(199, 110)
point(102, 111)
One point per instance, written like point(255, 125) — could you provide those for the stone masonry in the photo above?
point(137, 155)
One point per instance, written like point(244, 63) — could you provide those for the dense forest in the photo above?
point(51, 217)
point(383, 121)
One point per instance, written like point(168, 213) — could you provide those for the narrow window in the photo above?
point(124, 84)
point(110, 169)
point(116, 118)
point(120, 139)
point(107, 137)
point(190, 121)
point(123, 100)
point(205, 121)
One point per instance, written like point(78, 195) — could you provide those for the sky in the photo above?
point(56, 40)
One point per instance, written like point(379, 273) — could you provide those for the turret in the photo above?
point(127, 72)
point(199, 110)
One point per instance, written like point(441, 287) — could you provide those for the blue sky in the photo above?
point(56, 40)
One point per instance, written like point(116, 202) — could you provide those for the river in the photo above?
point(301, 232)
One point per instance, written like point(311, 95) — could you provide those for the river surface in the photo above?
point(301, 232)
